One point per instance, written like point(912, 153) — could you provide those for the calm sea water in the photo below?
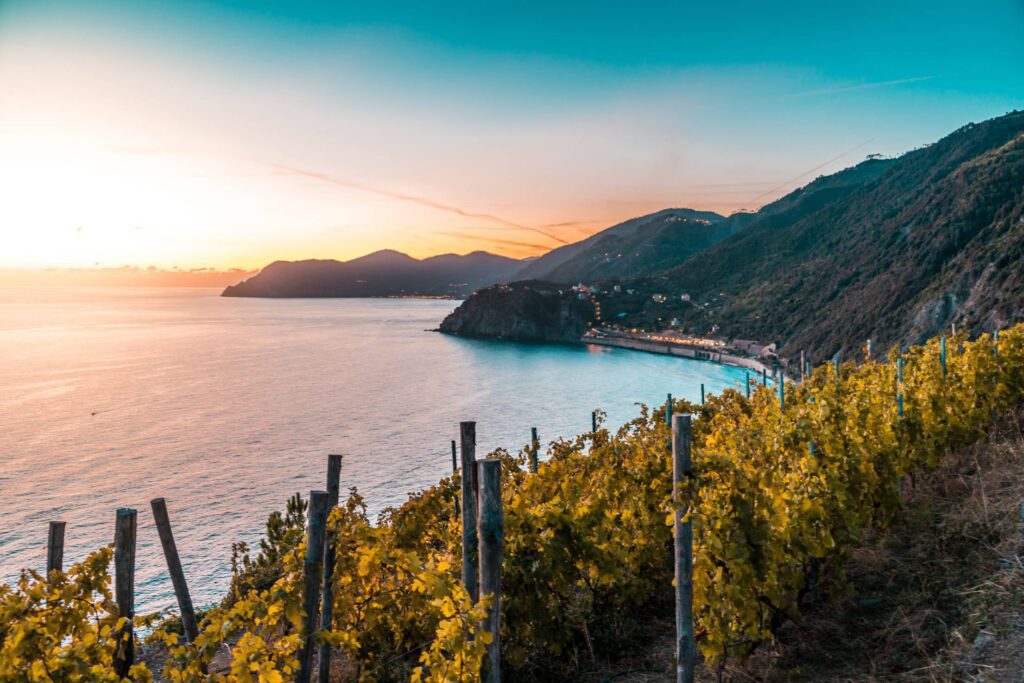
point(225, 407)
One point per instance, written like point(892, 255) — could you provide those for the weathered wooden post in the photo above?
point(492, 543)
point(682, 469)
point(702, 393)
point(467, 435)
point(163, 528)
point(535, 450)
point(55, 547)
point(124, 589)
point(455, 468)
point(330, 556)
point(312, 576)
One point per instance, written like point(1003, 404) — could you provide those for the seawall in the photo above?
point(680, 351)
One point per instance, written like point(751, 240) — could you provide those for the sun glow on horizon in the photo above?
point(197, 136)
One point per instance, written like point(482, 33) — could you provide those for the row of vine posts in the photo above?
point(480, 508)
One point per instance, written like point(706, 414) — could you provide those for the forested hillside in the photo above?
point(937, 238)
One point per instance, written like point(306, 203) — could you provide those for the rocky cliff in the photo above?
point(534, 313)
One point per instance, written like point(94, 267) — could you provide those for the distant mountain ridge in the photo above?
point(627, 249)
point(631, 248)
point(382, 273)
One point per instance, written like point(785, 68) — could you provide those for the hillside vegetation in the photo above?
point(937, 238)
point(588, 547)
point(632, 248)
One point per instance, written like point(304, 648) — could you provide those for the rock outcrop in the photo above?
point(521, 312)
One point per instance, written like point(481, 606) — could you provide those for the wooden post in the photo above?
point(802, 366)
point(330, 556)
point(312, 576)
point(492, 543)
point(682, 468)
point(593, 421)
point(534, 450)
point(702, 393)
point(55, 547)
point(476, 489)
point(455, 458)
point(124, 591)
point(163, 527)
point(467, 435)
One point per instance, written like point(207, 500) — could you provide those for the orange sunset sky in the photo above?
point(172, 137)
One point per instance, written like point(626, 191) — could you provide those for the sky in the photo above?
point(197, 136)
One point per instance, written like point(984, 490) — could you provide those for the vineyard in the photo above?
point(782, 488)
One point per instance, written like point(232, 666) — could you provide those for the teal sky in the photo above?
point(229, 134)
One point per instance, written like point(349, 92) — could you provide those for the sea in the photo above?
point(110, 397)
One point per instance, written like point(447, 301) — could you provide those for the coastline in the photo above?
point(643, 346)
point(681, 351)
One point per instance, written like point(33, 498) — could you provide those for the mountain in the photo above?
point(937, 238)
point(891, 249)
point(630, 248)
point(647, 245)
point(382, 273)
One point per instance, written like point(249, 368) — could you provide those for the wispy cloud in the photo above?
point(850, 87)
point(422, 201)
point(494, 240)
point(807, 173)
point(285, 170)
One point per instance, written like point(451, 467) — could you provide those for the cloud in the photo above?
point(807, 173)
point(422, 201)
point(494, 240)
point(860, 86)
